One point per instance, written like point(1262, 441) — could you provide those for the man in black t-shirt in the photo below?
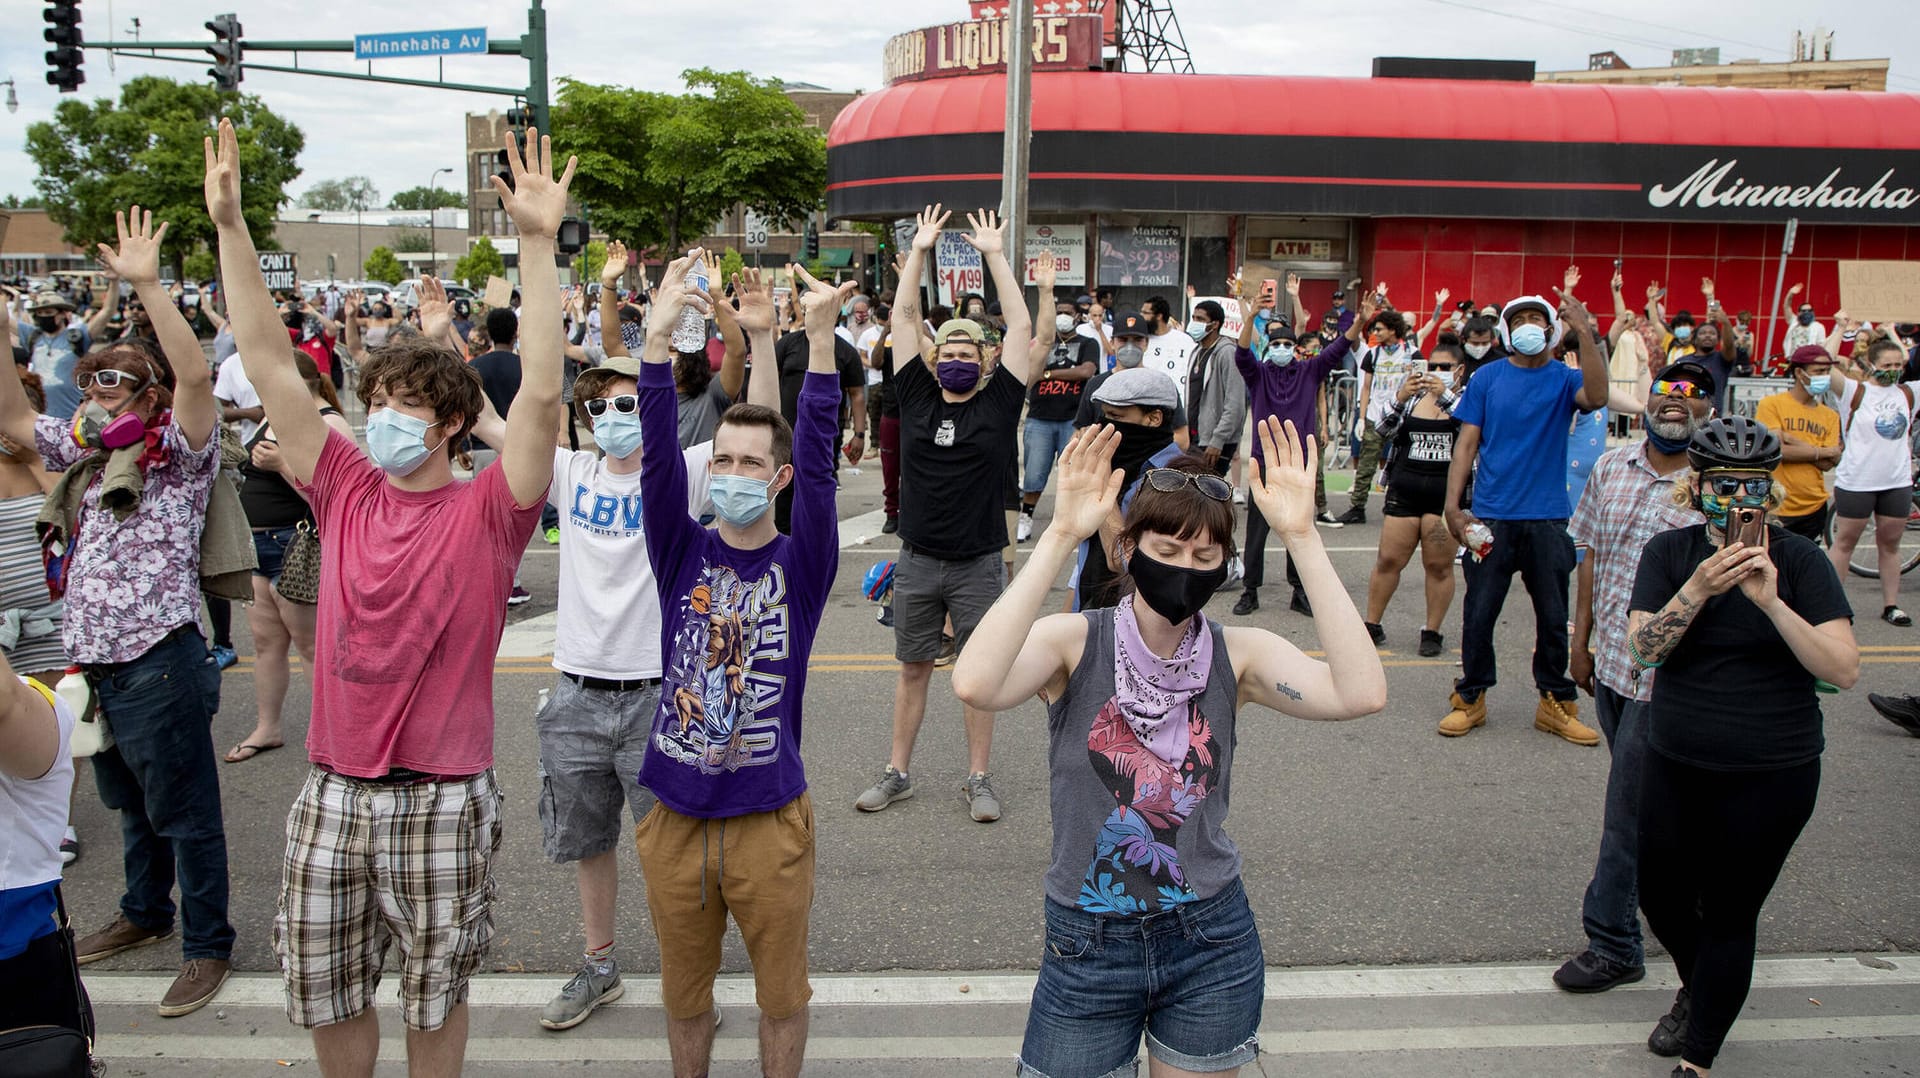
point(1052, 402)
point(790, 355)
point(958, 429)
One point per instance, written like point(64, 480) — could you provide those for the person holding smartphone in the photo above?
point(1733, 774)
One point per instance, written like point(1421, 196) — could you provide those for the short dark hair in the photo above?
point(502, 326)
point(1478, 324)
point(1212, 310)
point(1158, 305)
point(449, 385)
point(759, 415)
point(1184, 514)
point(1393, 321)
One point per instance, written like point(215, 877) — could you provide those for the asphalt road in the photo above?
point(1373, 842)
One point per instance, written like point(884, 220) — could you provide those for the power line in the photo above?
point(1536, 24)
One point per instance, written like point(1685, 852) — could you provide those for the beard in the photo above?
point(1675, 430)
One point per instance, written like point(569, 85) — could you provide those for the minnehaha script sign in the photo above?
point(1715, 184)
point(1060, 43)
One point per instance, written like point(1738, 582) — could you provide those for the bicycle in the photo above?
point(1866, 556)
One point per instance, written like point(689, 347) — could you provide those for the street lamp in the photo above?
point(13, 99)
point(433, 219)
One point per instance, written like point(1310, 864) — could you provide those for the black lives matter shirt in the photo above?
point(1731, 695)
point(953, 462)
point(1055, 399)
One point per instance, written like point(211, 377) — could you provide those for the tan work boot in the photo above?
point(1464, 716)
point(1562, 717)
point(200, 979)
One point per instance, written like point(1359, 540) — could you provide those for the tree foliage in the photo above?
point(96, 157)
point(428, 198)
point(586, 264)
point(334, 196)
point(657, 169)
point(412, 241)
point(200, 266)
point(15, 202)
point(382, 266)
point(482, 261)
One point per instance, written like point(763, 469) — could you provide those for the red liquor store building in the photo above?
point(1486, 188)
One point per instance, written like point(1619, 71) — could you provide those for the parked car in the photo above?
point(406, 293)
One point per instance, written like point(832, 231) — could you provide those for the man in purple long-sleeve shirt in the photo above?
point(733, 832)
point(1284, 388)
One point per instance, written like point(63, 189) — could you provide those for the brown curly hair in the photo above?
point(449, 386)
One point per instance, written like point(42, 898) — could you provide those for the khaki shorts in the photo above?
point(759, 867)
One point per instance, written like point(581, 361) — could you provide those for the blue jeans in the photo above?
point(1542, 553)
point(1045, 439)
point(160, 775)
point(1611, 912)
point(270, 551)
point(1193, 978)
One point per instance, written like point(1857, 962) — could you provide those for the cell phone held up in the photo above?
point(1747, 527)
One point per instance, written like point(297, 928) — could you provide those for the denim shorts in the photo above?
point(1193, 978)
point(592, 743)
point(270, 550)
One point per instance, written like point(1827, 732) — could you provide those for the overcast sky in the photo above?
point(399, 135)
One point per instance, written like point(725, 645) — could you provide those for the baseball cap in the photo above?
point(964, 328)
point(1129, 324)
point(1809, 353)
point(1281, 331)
point(1687, 370)
point(624, 366)
point(1137, 385)
point(1083, 301)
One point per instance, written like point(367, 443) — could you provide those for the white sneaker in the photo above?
point(1240, 495)
point(1024, 531)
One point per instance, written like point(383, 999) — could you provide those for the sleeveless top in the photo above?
point(1425, 446)
point(1133, 835)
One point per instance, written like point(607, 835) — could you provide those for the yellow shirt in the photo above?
point(1814, 424)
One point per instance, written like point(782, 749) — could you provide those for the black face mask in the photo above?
point(1174, 592)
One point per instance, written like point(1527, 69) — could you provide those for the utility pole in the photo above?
point(1017, 140)
point(534, 47)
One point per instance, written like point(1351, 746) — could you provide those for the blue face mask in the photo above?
point(1681, 333)
point(618, 433)
point(1280, 354)
point(398, 442)
point(1819, 384)
point(738, 499)
point(1715, 508)
point(1529, 340)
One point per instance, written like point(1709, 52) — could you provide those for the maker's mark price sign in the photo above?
point(280, 270)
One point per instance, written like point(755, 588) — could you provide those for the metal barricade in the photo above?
point(1342, 388)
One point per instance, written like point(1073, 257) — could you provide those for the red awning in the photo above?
point(1425, 109)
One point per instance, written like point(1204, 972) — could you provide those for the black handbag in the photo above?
point(53, 1051)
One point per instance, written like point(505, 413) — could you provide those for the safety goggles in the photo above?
point(1727, 486)
point(625, 404)
point(1689, 390)
point(1169, 480)
point(110, 378)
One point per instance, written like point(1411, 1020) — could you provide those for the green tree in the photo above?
point(15, 202)
point(428, 198)
point(731, 263)
point(412, 242)
point(586, 264)
point(352, 193)
point(96, 157)
point(482, 261)
point(656, 168)
point(382, 266)
point(200, 266)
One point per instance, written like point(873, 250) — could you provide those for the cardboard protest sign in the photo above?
point(1880, 291)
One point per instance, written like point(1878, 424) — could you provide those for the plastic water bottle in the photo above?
point(1479, 540)
point(89, 734)
point(541, 704)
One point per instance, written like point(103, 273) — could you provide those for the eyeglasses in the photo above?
point(1689, 390)
point(625, 404)
point(1168, 480)
point(109, 378)
point(1726, 486)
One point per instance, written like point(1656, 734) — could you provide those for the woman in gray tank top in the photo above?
point(1148, 928)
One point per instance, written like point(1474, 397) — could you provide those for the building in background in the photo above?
point(31, 246)
point(1702, 67)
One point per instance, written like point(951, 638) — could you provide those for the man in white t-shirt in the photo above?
point(1383, 367)
point(1170, 346)
point(238, 402)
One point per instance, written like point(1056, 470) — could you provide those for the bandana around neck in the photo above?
point(1153, 692)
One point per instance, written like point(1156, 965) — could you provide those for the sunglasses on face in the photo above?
point(109, 378)
point(625, 404)
point(1726, 486)
point(1663, 388)
point(1168, 480)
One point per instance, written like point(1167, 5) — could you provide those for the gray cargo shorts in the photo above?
point(592, 742)
point(927, 589)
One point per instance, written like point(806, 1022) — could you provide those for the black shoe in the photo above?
point(892, 525)
point(1355, 515)
point(1671, 1030)
point(1299, 605)
point(1902, 711)
point(1248, 603)
point(1589, 972)
point(1430, 643)
point(1378, 634)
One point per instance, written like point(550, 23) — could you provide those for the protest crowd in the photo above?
point(1669, 545)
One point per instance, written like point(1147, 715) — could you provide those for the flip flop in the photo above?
point(1893, 615)
point(251, 751)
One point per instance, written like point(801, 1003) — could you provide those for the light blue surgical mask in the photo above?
point(739, 499)
point(1280, 354)
point(618, 433)
point(1682, 333)
point(1197, 329)
point(1529, 340)
point(1819, 384)
point(398, 442)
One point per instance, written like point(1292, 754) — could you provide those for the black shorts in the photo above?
point(1813, 525)
point(1416, 494)
point(1861, 504)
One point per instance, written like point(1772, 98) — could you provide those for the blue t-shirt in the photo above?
point(53, 358)
point(1523, 415)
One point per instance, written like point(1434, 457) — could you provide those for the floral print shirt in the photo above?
point(131, 582)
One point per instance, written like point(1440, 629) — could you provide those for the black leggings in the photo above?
point(1711, 845)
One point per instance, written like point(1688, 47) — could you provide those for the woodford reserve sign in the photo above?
point(1060, 43)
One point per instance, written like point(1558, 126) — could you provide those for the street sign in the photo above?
point(755, 227)
point(280, 270)
point(420, 43)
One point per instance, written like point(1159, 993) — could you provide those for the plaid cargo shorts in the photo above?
point(371, 863)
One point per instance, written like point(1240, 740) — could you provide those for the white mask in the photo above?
point(1479, 351)
point(1063, 323)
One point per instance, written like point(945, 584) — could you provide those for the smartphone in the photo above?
point(1616, 265)
point(1416, 369)
point(1662, 294)
point(1748, 526)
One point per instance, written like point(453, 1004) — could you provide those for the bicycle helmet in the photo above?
point(1556, 329)
point(1733, 442)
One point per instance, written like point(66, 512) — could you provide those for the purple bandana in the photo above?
point(1153, 692)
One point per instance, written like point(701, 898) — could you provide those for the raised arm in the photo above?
point(109, 302)
point(1249, 297)
point(611, 343)
point(989, 237)
point(436, 315)
point(819, 305)
point(1622, 317)
point(1045, 333)
point(1439, 315)
point(1593, 365)
point(756, 317)
point(1653, 308)
point(16, 412)
point(909, 345)
point(265, 352)
point(536, 202)
point(29, 728)
point(1299, 308)
point(137, 261)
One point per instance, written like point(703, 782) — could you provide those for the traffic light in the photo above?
point(812, 241)
point(572, 236)
point(63, 59)
point(225, 51)
point(517, 121)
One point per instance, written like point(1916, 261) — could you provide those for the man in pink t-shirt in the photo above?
point(393, 835)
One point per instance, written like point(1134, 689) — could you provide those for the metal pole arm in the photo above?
point(508, 47)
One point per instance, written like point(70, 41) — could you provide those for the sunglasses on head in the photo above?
point(625, 404)
point(1689, 390)
point(1168, 480)
point(1726, 486)
point(110, 378)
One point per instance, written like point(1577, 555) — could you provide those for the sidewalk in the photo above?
point(1808, 1015)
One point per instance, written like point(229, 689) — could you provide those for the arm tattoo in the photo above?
point(1656, 639)
point(1287, 691)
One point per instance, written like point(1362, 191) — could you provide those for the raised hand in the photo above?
point(1706, 287)
point(1441, 297)
point(1369, 306)
point(1088, 483)
point(138, 260)
point(989, 235)
point(615, 265)
point(1618, 282)
point(1293, 284)
point(537, 200)
point(1796, 289)
point(928, 224)
point(1283, 489)
point(1044, 275)
point(1570, 279)
point(436, 312)
point(1653, 291)
point(820, 303)
point(674, 293)
point(223, 177)
point(755, 294)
